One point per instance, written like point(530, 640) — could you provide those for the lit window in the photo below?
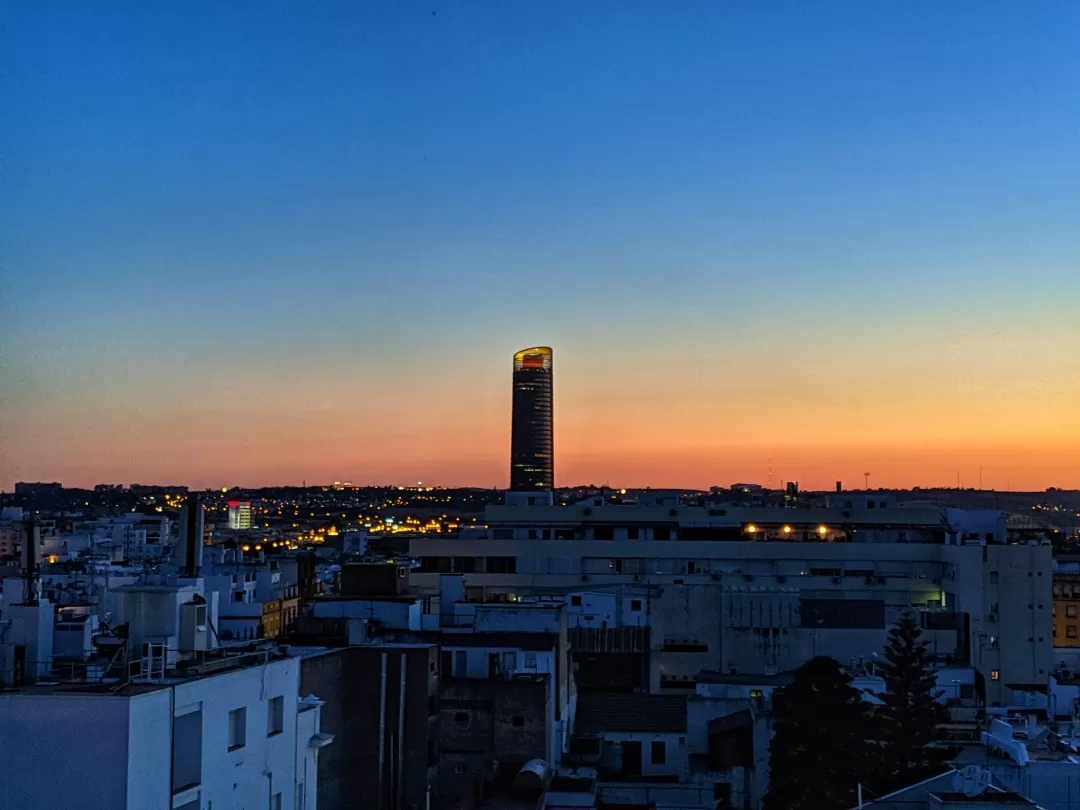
point(756, 693)
point(995, 674)
point(530, 660)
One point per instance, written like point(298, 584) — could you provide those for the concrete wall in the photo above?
point(351, 683)
point(401, 615)
point(483, 720)
point(266, 765)
point(64, 752)
point(676, 755)
point(149, 760)
point(903, 575)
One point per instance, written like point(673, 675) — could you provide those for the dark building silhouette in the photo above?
point(532, 453)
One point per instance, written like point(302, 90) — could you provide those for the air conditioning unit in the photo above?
point(585, 577)
point(637, 577)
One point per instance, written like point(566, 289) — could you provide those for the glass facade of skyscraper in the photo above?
point(532, 450)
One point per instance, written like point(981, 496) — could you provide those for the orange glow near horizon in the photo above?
point(917, 411)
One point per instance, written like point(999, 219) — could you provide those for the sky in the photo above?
point(252, 244)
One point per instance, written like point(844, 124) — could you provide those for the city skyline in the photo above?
point(299, 244)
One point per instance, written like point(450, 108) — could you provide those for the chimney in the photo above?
point(839, 486)
point(191, 538)
point(31, 558)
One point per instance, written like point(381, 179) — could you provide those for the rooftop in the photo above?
point(598, 713)
point(989, 797)
point(717, 516)
point(744, 679)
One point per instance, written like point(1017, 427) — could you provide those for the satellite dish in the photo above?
point(973, 780)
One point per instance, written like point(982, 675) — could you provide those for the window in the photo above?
point(187, 748)
point(993, 577)
point(237, 728)
point(658, 752)
point(461, 666)
point(993, 642)
point(461, 717)
point(275, 716)
point(459, 769)
point(509, 661)
point(721, 791)
point(530, 660)
point(238, 596)
point(633, 533)
point(604, 533)
point(635, 604)
point(518, 720)
point(275, 802)
point(1070, 631)
point(575, 601)
point(1070, 611)
point(756, 693)
point(995, 674)
point(532, 534)
point(502, 565)
point(194, 804)
point(661, 533)
point(464, 565)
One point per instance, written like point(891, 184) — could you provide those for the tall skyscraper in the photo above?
point(532, 441)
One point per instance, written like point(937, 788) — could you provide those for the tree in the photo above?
point(909, 722)
point(820, 750)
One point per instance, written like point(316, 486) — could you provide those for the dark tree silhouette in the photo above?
point(909, 722)
point(820, 750)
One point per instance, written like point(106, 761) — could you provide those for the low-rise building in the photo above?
point(159, 717)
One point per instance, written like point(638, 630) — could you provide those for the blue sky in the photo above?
point(211, 206)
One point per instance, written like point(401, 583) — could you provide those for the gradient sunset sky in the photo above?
point(258, 243)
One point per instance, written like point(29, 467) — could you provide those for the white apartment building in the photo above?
point(761, 590)
point(234, 739)
point(159, 717)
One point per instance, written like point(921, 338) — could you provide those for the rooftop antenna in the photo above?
point(866, 481)
point(770, 472)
